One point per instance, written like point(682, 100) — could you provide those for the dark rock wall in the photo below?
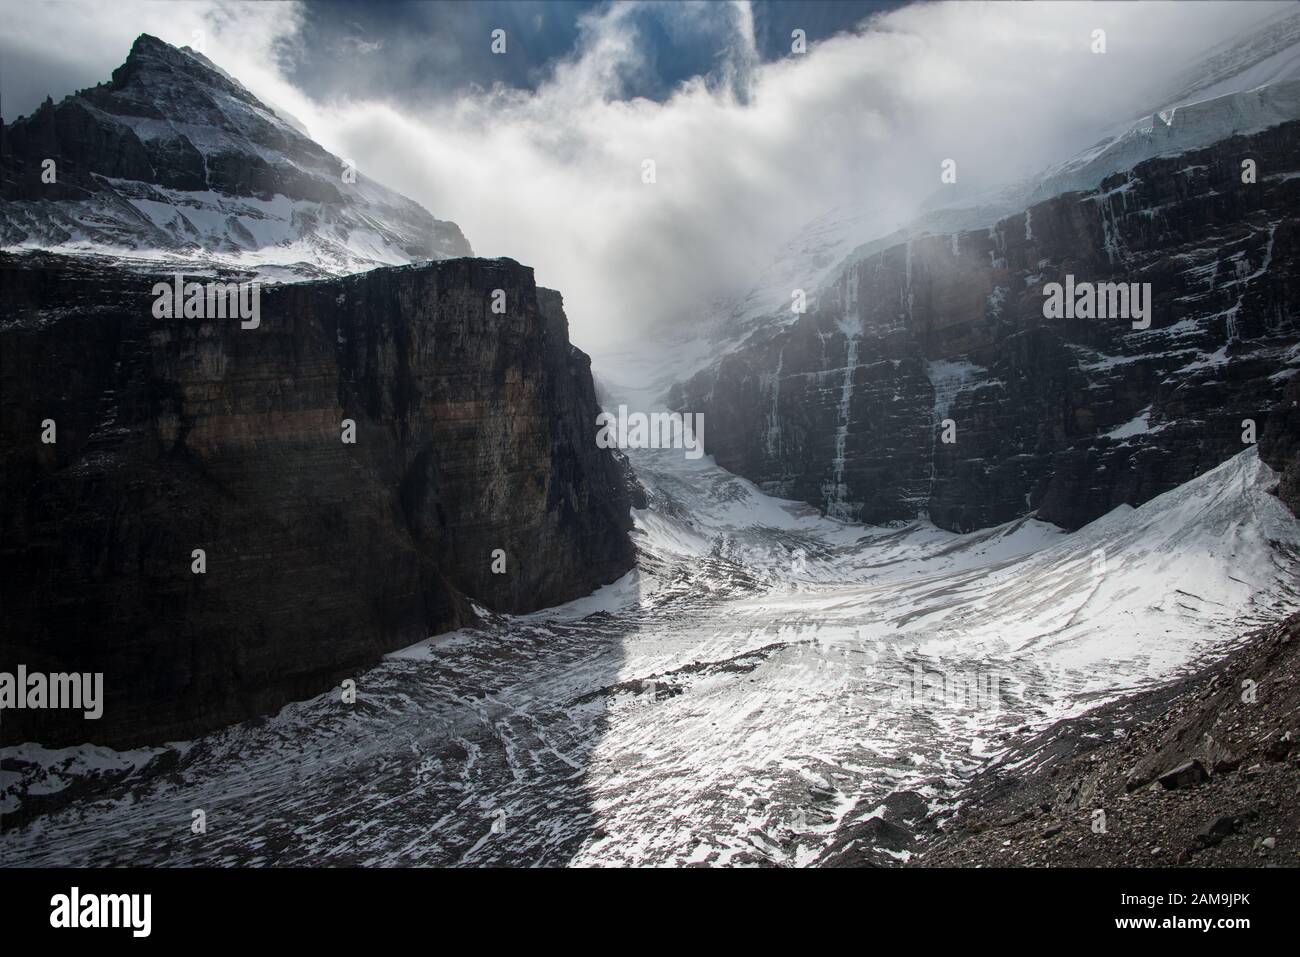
point(474, 432)
point(843, 408)
point(1279, 446)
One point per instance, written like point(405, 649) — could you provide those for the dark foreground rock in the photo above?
point(474, 432)
point(1095, 790)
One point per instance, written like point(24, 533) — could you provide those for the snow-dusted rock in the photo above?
point(174, 159)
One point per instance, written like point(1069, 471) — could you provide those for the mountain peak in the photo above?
point(146, 42)
point(149, 52)
point(174, 154)
point(177, 79)
point(149, 47)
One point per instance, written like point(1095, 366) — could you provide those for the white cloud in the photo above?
point(553, 178)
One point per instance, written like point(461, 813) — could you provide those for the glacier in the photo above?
point(739, 698)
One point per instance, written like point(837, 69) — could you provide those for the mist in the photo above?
point(743, 156)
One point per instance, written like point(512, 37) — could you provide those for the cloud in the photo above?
point(553, 178)
point(745, 155)
point(57, 47)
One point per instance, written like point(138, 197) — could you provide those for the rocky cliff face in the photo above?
point(174, 155)
point(474, 432)
point(1279, 446)
point(844, 408)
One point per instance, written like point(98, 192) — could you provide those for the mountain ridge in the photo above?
point(1063, 418)
point(1215, 98)
point(172, 157)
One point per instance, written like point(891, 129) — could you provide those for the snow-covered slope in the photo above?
point(1171, 130)
point(174, 159)
point(1270, 53)
point(765, 677)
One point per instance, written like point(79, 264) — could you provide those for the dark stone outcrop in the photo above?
point(1186, 775)
point(843, 408)
point(474, 432)
point(1279, 446)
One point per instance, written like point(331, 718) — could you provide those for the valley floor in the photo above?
point(768, 687)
